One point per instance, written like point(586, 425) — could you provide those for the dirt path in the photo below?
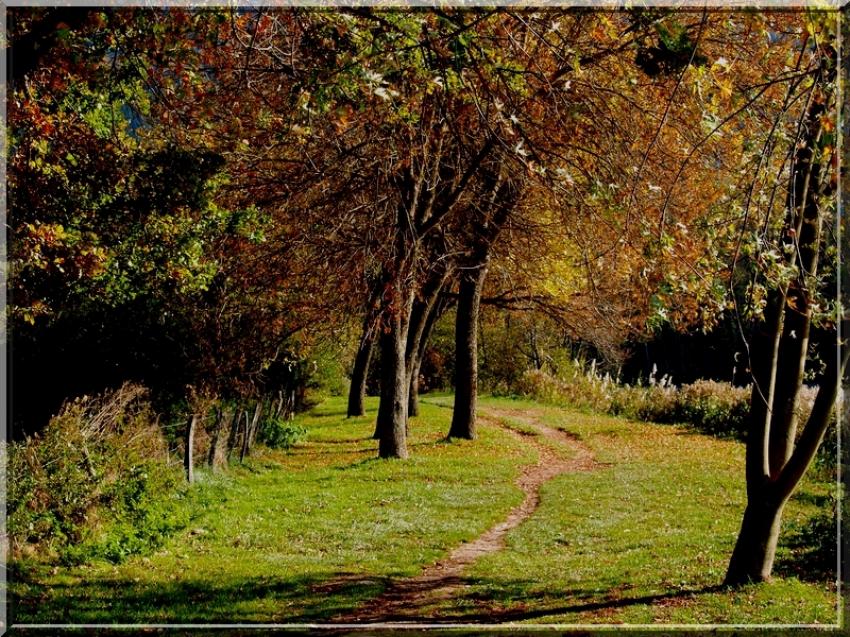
point(405, 599)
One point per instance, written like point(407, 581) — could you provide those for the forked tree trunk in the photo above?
point(752, 559)
point(439, 308)
point(755, 549)
point(189, 449)
point(466, 353)
point(360, 373)
point(774, 463)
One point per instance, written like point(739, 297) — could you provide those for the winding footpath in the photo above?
point(405, 599)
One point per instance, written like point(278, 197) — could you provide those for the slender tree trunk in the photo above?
point(764, 360)
point(357, 390)
point(466, 353)
point(437, 310)
point(220, 417)
point(421, 323)
point(243, 450)
point(189, 449)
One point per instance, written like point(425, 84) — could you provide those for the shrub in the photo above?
point(710, 406)
point(279, 433)
point(95, 483)
point(716, 408)
point(581, 388)
point(813, 544)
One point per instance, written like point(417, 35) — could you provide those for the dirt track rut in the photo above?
point(405, 599)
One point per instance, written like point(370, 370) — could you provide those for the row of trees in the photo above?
point(198, 196)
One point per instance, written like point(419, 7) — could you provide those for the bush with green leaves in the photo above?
point(96, 482)
point(280, 433)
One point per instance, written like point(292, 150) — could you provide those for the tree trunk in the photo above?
point(189, 449)
point(391, 426)
point(752, 559)
point(764, 360)
point(422, 318)
point(357, 390)
point(437, 310)
point(220, 417)
point(774, 463)
point(466, 353)
point(392, 411)
point(243, 450)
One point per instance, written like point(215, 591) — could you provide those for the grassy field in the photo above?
point(301, 536)
point(643, 540)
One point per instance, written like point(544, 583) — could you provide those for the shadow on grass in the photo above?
point(119, 600)
point(535, 606)
point(320, 598)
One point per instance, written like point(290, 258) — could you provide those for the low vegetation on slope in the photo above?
point(311, 533)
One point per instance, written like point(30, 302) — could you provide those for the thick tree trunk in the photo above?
point(752, 559)
point(466, 353)
point(357, 390)
point(391, 427)
point(189, 449)
point(220, 417)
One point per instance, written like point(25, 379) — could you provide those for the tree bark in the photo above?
point(755, 549)
point(189, 449)
point(434, 315)
point(466, 353)
point(391, 427)
point(360, 372)
point(422, 318)
point(357, 390)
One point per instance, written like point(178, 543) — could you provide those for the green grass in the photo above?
point(298, 536)
point(302, 535)
point(643, 540)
